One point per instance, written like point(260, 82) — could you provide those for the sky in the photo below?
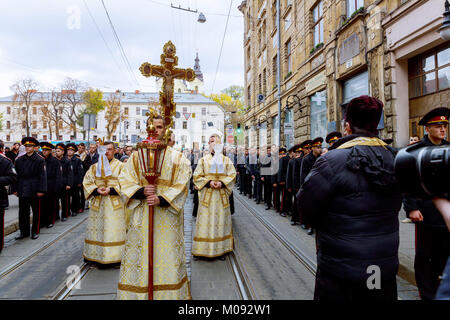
point(50, 40)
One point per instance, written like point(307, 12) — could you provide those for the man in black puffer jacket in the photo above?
point(351, 198)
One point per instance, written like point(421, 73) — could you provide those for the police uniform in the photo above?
point(78, 174)
point(8, 177)
point(307, 164)
point(31, 179)
point(432, 235)
point(285, 195)
point(276, 186)
point(54, 184)
point(296, 216)
point(265, 161)
point(67, 180)
point(332, 137)
point(241, 171)
point(248, 177)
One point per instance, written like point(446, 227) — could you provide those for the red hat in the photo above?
point(364, 112)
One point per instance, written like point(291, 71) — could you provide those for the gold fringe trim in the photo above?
point(214, 239)
point(102, 262)
point(158, 287)
point(214, 256)
point(104, 244)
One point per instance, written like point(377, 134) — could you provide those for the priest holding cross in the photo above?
point(154, 182)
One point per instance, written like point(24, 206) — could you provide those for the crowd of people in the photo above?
point(47, 179)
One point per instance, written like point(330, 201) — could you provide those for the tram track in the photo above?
point(13, 267)
point(63, 292)
point(299, 254)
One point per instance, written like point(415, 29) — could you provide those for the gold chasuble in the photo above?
point(169, 262)
point(213, 230)
point(105, 231)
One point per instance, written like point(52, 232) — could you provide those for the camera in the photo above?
point(424, 172)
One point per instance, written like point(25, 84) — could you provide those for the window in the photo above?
point(138, 111)
point(203, 125)
point(138, 125)
point(184, 109)
point(249, 95)
point(203, 111)
point(259, 83)
point(126, 110)
point(44, 124)
point(34, 110)
point(429, 73)
point(355, 87)
point(60, 125)
point(94, 138)
point(184, 124)
point(288, 58)
point(126, 123)
point(44, 137)
point(8, 124)
point(34, 135)
point(264, 82)
point(34, 124)
point(353, 5)
point(114, 138)
point(8, 138)
point(318, 115)
point(274, 71)
point(318, 24)
point(8, 110)
point(203, 139)
point(24, 124)
point(60, 137)
point(287, 22)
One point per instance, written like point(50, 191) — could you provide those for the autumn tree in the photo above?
point(24, 93)
point(94, 103)
point(113, 113)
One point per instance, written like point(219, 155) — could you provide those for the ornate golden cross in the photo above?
point(169, 73)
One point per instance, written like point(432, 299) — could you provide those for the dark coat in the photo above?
point(54, 175)
point(8, 176)
point(431, 216)
point(31, 175)
point(306, 166)
point(274, 167)
point(78, 171)
point(352, 199)
point(94, 158)
point(282, 169)
point(11, 155)
point(290, 174)
point(296, 173)
point(67, 173)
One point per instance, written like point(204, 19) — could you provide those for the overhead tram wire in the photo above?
point(103, 38)
point(221, 47)
point(119, 44)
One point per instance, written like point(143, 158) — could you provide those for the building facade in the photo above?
point(334, 50)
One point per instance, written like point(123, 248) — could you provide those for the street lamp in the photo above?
point(296, 99)
point(259, 120)
point(444, 30)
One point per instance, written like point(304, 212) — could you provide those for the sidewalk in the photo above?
point(12, 216)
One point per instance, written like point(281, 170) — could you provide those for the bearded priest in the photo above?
point(167, 197)
point(105, 232)
point(214, 177)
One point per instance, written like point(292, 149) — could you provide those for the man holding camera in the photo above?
point(432, 236)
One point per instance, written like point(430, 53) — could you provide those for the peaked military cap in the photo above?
point(46, 145)
point(317, 142)
point(72, 146)
point(282, 150)
point(30, 141)
point(293, 148)
point(306, 144)
point(436, 116)
point(333, 136)
point(61, 146)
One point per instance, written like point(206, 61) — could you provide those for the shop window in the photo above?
point(318, 114)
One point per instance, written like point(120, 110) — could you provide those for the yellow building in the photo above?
point(335, 50)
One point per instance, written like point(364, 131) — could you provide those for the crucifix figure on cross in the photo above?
point(169, 73)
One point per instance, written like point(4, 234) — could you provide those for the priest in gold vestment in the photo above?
point(214, 177)
point(170, 279)
point(105, 231)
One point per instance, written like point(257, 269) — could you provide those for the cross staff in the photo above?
point(169, 73)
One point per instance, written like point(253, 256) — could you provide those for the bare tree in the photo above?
point(24, 92)
point(52, 109)
point(113, 113)
point(72, 97)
